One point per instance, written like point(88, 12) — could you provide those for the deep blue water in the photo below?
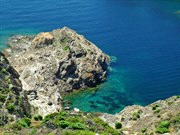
point(144, 36)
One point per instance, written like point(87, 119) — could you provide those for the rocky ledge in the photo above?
point(54, 63)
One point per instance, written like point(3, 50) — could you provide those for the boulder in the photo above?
point(44, 38)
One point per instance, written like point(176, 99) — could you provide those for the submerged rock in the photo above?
point(177, 12)
point(55, 63)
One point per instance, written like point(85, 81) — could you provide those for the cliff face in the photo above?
point(161, 117)
point(54, 63)
point(13, 102)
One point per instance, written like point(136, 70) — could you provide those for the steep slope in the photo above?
point(13, 102)
point(160, 117)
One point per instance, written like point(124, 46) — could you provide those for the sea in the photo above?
point(141, 36)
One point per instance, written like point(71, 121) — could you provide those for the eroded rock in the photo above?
point(54, 62)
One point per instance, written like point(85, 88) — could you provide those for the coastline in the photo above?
point(133, 119)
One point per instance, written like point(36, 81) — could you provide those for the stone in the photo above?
point(76, 110)
point(50, 103)
point(42, 39)
point(67, 108)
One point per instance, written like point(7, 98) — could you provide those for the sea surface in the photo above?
point(142, 36)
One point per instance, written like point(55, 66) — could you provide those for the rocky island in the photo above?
point(37, 71)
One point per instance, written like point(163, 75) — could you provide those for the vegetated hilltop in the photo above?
point(51, 64)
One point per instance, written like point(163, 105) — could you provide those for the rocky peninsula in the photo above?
point(52, 64)
point(35, 73)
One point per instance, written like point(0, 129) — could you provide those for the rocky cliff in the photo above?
point(54, 63)
point(13, 102)
point(45, 66)
point(161, 117)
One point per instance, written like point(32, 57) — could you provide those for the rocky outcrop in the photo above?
point(54, 63)
point(13, 102)
point(149, 119)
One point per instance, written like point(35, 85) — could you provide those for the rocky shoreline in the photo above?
point(37, 70)
point(138, 119)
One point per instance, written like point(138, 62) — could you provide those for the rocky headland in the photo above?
point(35, 73)
point(52, 64)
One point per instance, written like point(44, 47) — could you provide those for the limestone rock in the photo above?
point(56, 63)
point(44, 38)
point(135, 118)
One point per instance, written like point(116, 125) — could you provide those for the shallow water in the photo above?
point(142, 34)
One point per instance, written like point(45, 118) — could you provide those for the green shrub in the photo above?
point(118, 125)
point(25, 122)
point(49, 116)
point(11, 108)
point(63, 113)
point(2, 98)
point(157, 110)
point(163, 127)
point(63, 124)
point(74, 119)
point(38, 118)
point(3, 70)
point(165, 124)
point(59, 118)
point(135, 115)
point(155, 106)
point(77, 126)
point(103, 127)
point(176, 119)
point(51, 133)
point(7, 79)
point(78, 132)
point(162, 130)
point(143, 130)
point(16, 126)
point(66, 48)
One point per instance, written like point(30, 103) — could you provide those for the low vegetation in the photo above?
point(163, 127)
point(67, 123)
point(118, 125)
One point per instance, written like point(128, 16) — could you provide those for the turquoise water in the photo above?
point(142, 34)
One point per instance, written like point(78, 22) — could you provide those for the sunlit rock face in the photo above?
point(52, 63)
